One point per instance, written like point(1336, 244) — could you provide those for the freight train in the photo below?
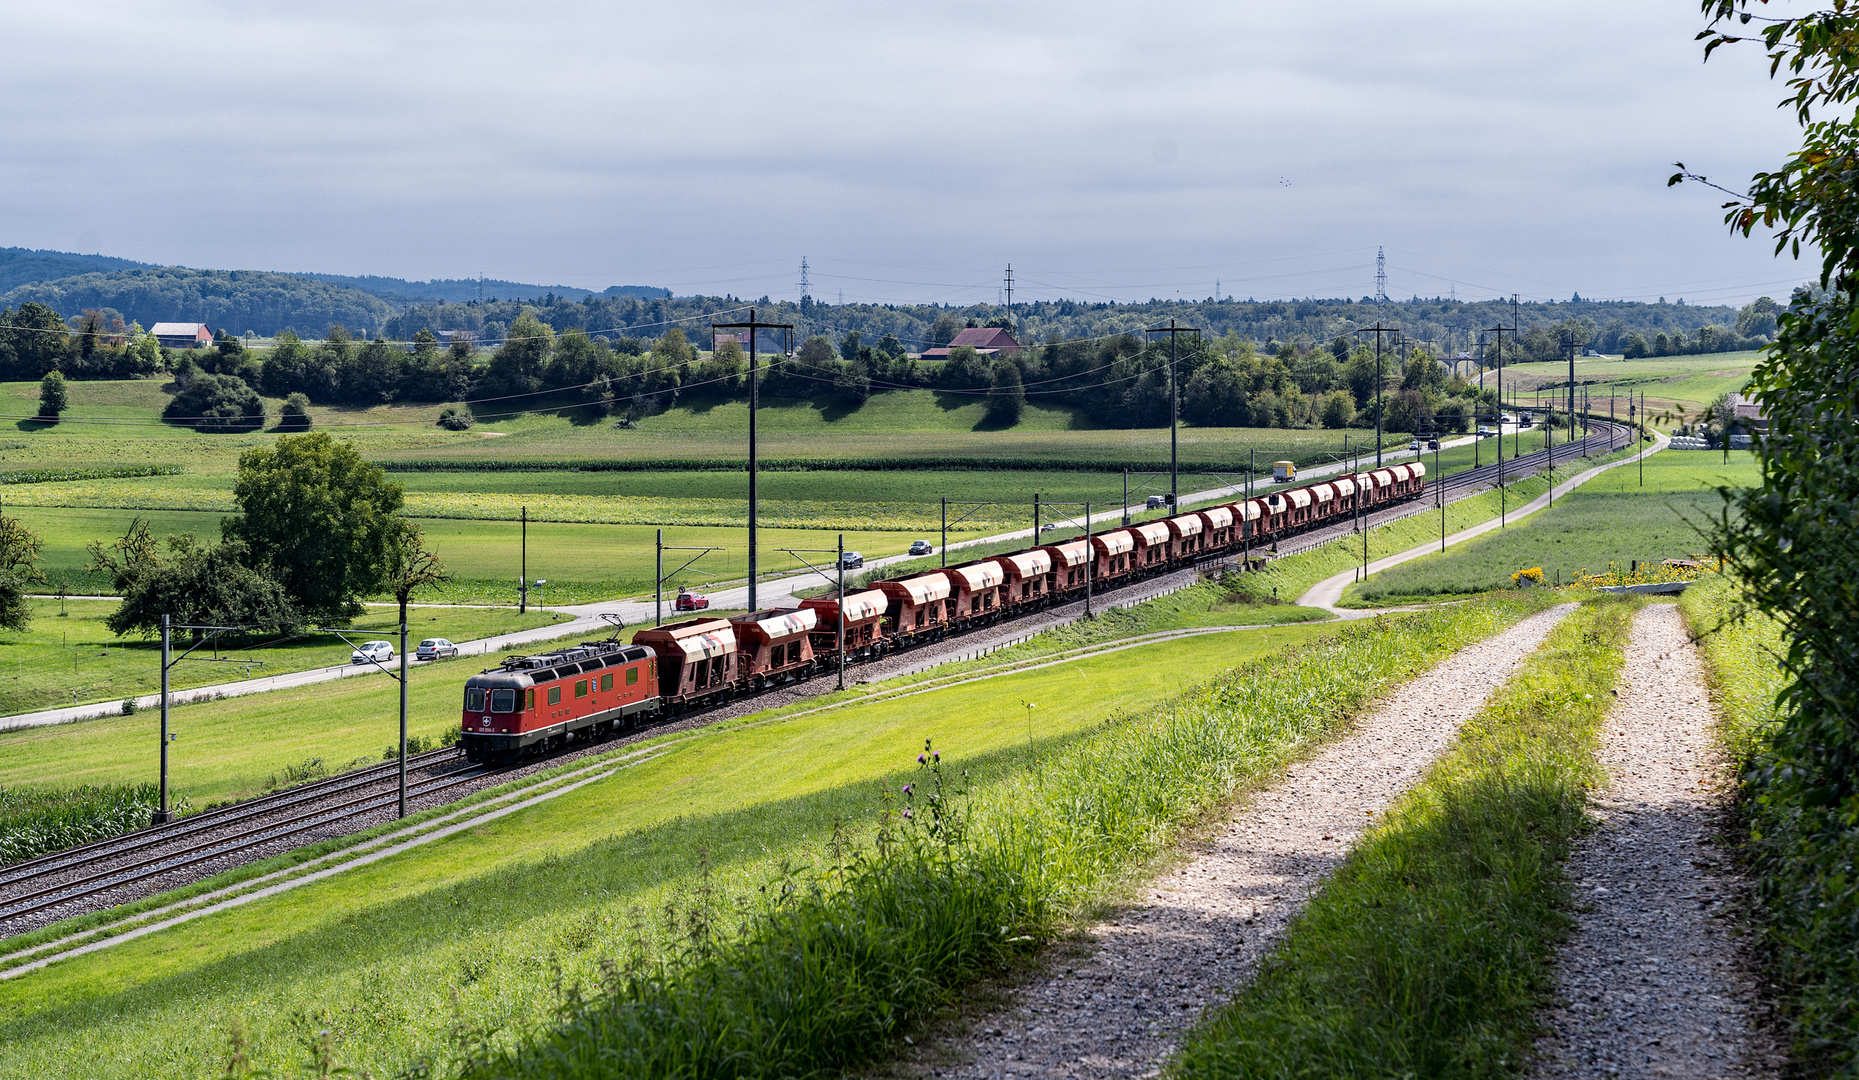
point(536, 704)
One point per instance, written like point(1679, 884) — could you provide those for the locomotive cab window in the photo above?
point(529, 699)
point(503, 701)
point(555, 695)
point(474, 699)
point(606, 681)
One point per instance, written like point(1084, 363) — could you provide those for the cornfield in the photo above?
point(34, 822)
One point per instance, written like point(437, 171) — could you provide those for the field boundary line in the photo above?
point(370, 851)
point(1326, 593)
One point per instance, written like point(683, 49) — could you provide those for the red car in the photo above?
point(690, 601)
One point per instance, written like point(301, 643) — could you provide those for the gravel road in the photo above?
point(1654, 982)
point(1115, 1004)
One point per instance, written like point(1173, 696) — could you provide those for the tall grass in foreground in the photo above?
point(1429, 951)
point(1801, 850)
point(830, 969)
point(36, 821)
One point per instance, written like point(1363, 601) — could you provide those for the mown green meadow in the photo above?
point(502, 914)
point(69, 656)
point(1676, 383)
point(1610, 519)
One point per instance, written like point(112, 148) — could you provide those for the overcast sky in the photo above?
point(1105, 150)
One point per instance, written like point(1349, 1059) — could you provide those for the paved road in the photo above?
point(587, 622)
point(1327, 592)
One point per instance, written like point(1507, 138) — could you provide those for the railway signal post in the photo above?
point(752, 326)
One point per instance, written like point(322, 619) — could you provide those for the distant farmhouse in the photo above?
point(182, 335)
point(985, 340)
point(719, 338)
point(1748, 413)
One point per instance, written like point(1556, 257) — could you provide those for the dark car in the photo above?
point(851, 560)
point(921, 547)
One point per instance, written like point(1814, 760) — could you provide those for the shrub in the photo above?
point(217, 403)
point(54, 398)
point(454, 418)
point(295, 414)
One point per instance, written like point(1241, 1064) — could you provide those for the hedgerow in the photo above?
point(108, 472)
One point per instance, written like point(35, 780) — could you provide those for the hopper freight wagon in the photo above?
point(533, 704)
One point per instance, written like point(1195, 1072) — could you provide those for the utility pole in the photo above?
point(1503, 492)
point(1174, 401)
point(522, 577)
point(1035, 517)
point(161, 813)
point(1381, 276)
point(752, 326)
point(1378, 330)
point(403, 710)
point(1009, 292)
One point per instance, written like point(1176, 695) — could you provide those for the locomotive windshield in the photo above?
point(503, 700)
point(474, 699)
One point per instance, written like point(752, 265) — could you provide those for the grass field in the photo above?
point(582, 562)
point(69, 656)
point(903, 424)
point(1611, 519)
point(1682, 383)
point(374, 955)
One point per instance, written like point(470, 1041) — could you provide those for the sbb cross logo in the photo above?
point(484, 721)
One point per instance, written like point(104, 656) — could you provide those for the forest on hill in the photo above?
point(1445, 327)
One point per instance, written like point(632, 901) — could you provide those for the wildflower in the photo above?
point(906, 813)
point(921, 759)
point(937, 755)
point(907, 788)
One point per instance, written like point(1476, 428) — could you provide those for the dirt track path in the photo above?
point(1652, 984)
point(1115, 1007)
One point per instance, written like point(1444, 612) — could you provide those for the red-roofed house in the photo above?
point(983, 339)
point(182, 335)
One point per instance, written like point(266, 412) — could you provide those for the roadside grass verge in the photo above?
point(1430, 950)
point(1801, 852)
point(1610, 519)
point(821, 973)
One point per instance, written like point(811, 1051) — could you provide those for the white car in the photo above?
point(435, 648)
point(372, 652)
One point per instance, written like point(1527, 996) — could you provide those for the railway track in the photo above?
point(83, 873)
point(136, 861)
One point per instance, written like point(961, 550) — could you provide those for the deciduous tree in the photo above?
point(319, 518)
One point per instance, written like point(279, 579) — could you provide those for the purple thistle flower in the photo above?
point(921, 759)
point(937, 755)
point(907, 788)
point(906, 813)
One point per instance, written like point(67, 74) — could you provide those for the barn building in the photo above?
point(985, 340)
point(182, 335)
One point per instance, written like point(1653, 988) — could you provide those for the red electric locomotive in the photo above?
point(545, 701)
